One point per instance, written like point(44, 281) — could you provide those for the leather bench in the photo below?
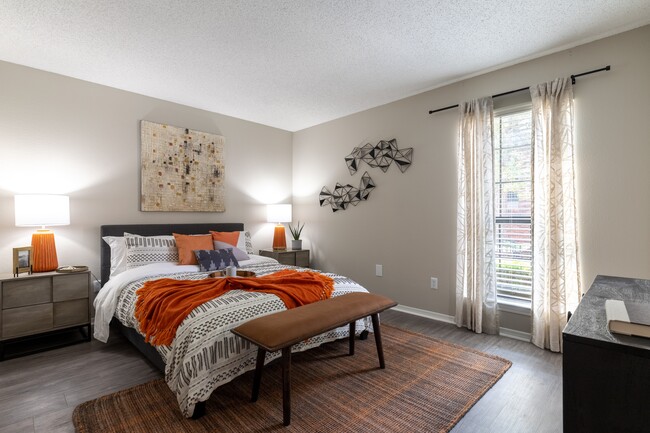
point(280, 331)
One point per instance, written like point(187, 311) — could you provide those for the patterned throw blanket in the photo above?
point(163, 304)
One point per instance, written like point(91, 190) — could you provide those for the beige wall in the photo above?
point(409, 222)
point(66, 136)
point(62, 135)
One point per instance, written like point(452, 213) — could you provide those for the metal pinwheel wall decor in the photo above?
point(345, 195)
point(382, 155)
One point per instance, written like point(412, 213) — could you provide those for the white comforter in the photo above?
point(205, 354)
point(106, 300)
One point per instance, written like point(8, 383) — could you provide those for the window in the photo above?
point(513, 203)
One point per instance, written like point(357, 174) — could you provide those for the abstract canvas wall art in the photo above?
point(182, 170)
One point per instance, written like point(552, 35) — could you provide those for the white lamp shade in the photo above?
point(42, 210)
point(278, 213)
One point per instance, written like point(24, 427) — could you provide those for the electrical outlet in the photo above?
point(379, 270)
point(434, 283)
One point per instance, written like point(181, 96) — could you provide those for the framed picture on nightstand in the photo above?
point(23, 260)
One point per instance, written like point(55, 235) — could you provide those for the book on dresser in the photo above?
point(628, 318)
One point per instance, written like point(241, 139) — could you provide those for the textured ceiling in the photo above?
point(295, 63)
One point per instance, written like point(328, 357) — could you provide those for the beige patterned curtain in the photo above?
point(476, 300)
point(556, 286)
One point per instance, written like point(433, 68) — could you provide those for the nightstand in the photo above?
point(41, 303)
point(289, 257)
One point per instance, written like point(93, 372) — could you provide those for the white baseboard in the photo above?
point(425, 313)
point(504, 332)
point(514, 334)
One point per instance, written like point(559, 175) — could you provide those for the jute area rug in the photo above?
point(427, 386)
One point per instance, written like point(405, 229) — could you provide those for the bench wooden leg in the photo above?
point(286, 385)
point(199, 410)
point(380, 350)
point(353, 330)
point(257, 379)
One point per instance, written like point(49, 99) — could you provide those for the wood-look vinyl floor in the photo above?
point(38, 392)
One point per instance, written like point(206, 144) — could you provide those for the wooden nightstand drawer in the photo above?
point(21, 321)
point(289, 257)
point(30, 291)
point(70, 313)
point(302, 258)
point(68, 287)
point(286, 259)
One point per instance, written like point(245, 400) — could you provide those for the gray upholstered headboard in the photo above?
point(153, 230)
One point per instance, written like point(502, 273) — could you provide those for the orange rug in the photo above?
point(427, 386)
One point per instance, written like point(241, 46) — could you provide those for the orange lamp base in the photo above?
point(279, 238)
point(44, 251)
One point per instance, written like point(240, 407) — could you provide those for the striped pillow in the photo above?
point(249, 243)
point(143, 250)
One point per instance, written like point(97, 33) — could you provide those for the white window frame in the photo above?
point(507, 304)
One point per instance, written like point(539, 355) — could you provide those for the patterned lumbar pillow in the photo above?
point(214, 260)
point(143, 250)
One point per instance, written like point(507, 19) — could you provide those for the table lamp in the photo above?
point(42, 210)
point(279, 213)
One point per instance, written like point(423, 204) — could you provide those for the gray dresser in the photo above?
point(606, 377)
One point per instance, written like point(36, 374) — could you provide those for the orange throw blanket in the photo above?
point(163, 304)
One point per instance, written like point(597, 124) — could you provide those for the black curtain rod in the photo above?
point(573, 81)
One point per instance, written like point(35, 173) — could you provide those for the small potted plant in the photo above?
point(296, 242)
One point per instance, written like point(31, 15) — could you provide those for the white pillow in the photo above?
point(142, 250)
point(118, 254)
point(239, 254)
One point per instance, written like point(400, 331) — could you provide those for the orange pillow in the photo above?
point(228, 237)
point(188, 243)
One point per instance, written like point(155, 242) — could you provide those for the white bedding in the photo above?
point(106, 300)
point(205, 354)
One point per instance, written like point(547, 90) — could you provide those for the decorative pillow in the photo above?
point(239, 254)
point(231, 238)
point(249, 243)
point(143, 250)
point(241, 240)
point(188, 243)
point(118, 254)
point(214, 260)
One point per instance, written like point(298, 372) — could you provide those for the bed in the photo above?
point(204, 354)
